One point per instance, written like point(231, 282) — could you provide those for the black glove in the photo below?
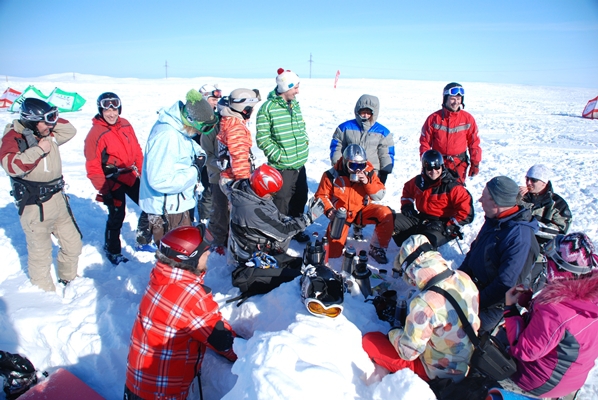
point(111, 171)
point(408, 210)
point(30, 138)
point(199, 163)
point(107, 199)
point(453, 231)
point(315, 208)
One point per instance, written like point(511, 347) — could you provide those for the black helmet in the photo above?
point(324, 286)
point(446, 92)
point(432, 159)
point(36, 110)
point(109, 100)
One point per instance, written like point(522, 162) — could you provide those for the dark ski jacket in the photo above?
point(502, 255)
point(257, 225)
point(551, 211)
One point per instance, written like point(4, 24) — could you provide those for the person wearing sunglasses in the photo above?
point(113, 161)
point(549, 209)
point(30, 155)
point(281, 135)
point(353, 184)
point(374, 137)
point(554, 343)
point(453, 132)
point(430, 341)
point(172, 163)
point(504, 251)
point(434, 203)
point(177, 321)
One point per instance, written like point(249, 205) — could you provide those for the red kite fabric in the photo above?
point(591, 110)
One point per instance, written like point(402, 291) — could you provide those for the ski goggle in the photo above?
point(200, 126)
point(454, 91)
point(248, 100)
point(354, 166)
point(550, 249)
point(50, 118)
point(214, 93)
point(317, 308)
point(110, 103)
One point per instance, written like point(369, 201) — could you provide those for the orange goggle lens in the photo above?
point(318, 308)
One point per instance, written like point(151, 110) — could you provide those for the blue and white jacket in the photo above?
point(168, 179)
point(375, 138)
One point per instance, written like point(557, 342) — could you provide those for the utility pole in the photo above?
point(310, 62)
point(166, 67)
point(73, 76)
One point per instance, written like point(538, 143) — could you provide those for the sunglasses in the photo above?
point(433, 167)
point(317, 308)
point(532, 180)
point(110, 102)
point(356, 166)
point(454, 91)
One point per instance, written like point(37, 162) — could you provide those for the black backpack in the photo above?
point(253, 278)
point(18, 372)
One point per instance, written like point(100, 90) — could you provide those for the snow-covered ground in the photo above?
point(288, 354)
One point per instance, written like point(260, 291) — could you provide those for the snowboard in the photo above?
point(61, 385)
point(503, 394)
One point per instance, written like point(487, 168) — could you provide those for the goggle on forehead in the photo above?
point(110, 103)
point(214, 93)
point(454, 91)
point(50, 118)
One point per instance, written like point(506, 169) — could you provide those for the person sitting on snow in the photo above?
point(443, 204)
point(353, 184)
point(431, 341)
point(257, 225)
point(177, 320)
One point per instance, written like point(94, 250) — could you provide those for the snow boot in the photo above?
point(378, 254)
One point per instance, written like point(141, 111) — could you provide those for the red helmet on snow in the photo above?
point(265, 180)
point(186, 244)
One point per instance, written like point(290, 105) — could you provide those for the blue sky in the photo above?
point(549, 42)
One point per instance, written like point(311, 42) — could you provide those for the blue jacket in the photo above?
point(502, 255)
point(168, 179)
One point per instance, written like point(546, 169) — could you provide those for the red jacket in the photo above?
point(112, 144)
point(451, 133)
point(177, 319)
point(336, 190)
point(444, 198)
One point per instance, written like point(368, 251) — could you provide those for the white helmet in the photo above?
point(208, 91)
point(243, 100)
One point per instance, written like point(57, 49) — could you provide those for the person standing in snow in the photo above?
point(555, 344)
point(353, 184)
point(113, 161)
point(173, 162)
point(30, 155)
point(443, 204)
point(212, 95)
point(503, 253)
point(177, 320)
point(281, 135)
point(453, 132)
point(375, 138)
point(431, 341)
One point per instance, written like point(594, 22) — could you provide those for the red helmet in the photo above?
point(186, 244)
point(265, 180)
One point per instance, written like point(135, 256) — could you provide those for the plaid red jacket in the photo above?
point(177, 319)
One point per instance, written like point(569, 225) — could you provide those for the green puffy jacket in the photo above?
point(281, 133)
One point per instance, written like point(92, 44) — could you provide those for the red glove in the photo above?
point(473, 170)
